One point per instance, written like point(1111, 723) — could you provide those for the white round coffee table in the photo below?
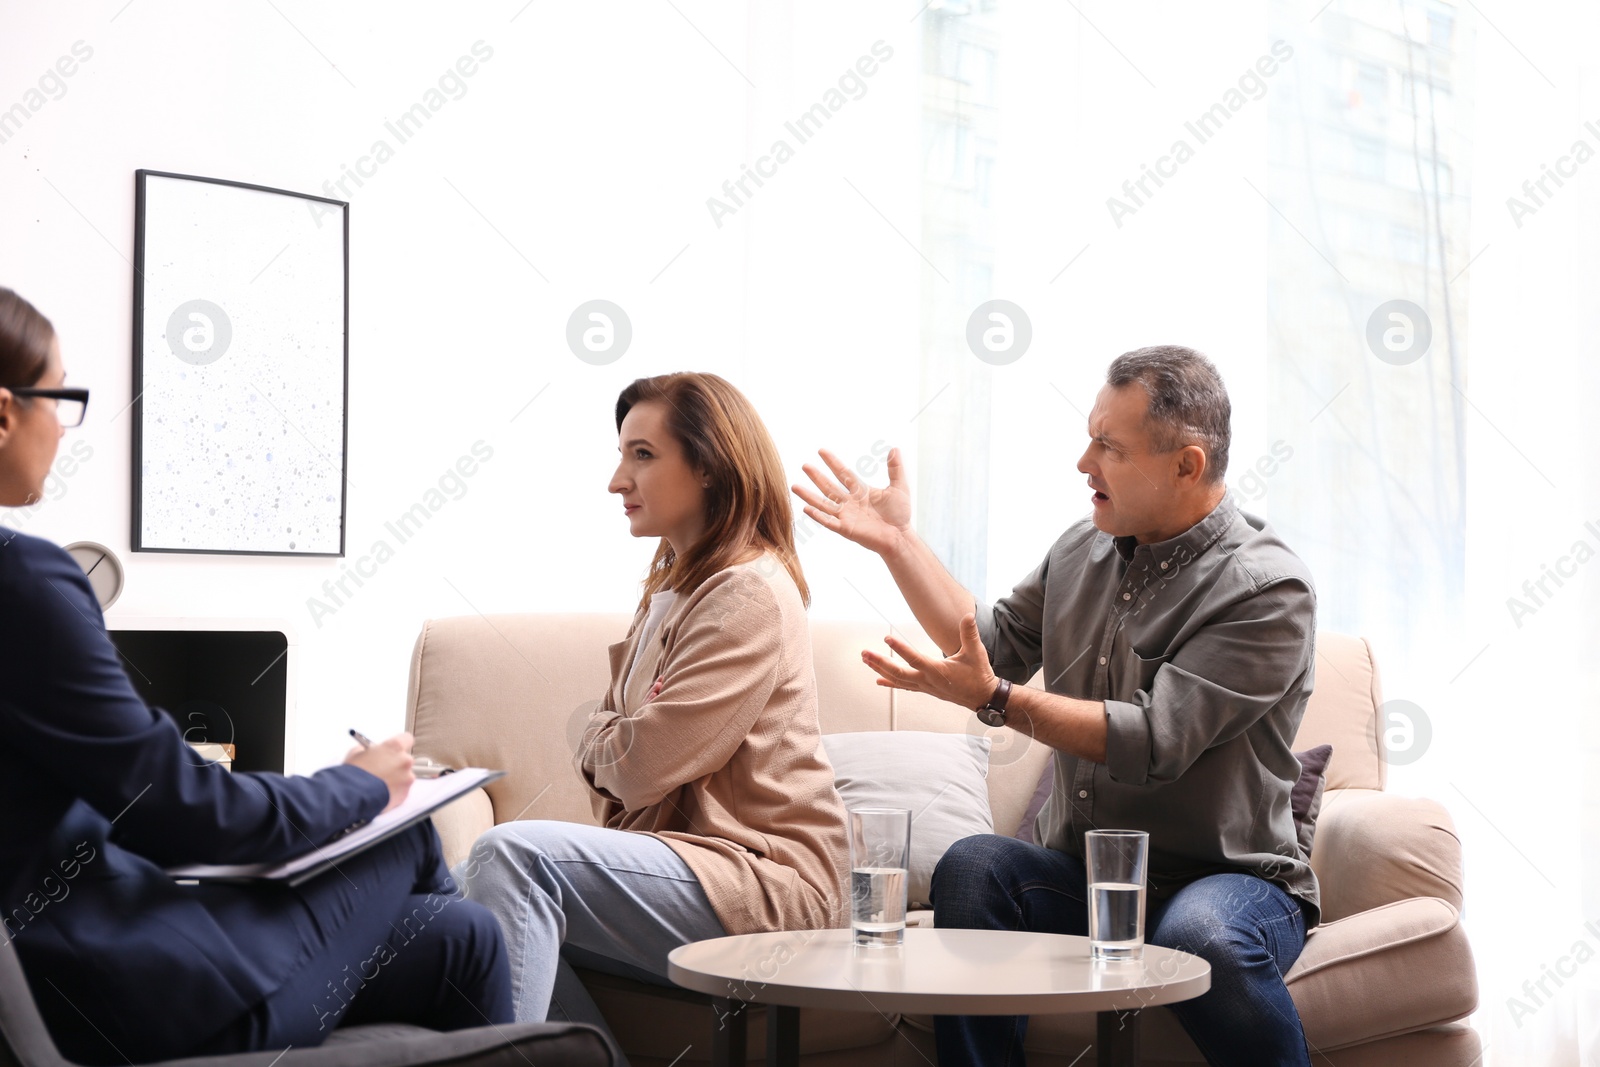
point(938, 972)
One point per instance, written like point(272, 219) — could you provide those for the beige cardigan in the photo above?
point(726, 764)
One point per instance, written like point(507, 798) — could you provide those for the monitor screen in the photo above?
point(220, 686)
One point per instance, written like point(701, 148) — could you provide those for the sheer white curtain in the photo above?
point(1526, 745)
point(1448, 504)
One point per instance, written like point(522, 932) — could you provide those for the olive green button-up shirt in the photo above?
point(1202, 648)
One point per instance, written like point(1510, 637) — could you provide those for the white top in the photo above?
point(660, 604)
point(945, 972)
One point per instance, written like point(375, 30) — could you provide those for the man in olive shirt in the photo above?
point(1175, 634)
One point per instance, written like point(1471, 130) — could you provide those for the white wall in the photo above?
point(582, 150)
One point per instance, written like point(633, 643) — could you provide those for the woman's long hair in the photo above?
point(747, 505)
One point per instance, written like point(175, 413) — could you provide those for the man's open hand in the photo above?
point(964, 678)
point(872, 518)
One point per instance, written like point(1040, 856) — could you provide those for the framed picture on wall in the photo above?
point(240, 368)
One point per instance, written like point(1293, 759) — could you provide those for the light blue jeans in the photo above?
point(567, 893)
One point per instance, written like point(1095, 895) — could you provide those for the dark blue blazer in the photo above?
point(99, 792)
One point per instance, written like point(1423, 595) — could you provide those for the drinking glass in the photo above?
point(1116, 860)
point(880, 854)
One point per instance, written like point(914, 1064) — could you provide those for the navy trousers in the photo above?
point(388, 938)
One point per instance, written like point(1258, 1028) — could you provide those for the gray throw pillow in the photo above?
point(1305, 801)
point(941, 778)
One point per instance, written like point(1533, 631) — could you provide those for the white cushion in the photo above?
point(940, 777)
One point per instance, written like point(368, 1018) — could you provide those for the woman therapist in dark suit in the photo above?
point(99, 792)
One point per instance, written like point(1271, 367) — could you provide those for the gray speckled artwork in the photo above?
point(242, 427)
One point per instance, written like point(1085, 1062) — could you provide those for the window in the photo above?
point(1367, 157)
point(1441, 28)
point(1372, 87)
point(1407, 244)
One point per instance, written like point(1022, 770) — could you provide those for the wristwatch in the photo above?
point(994, 712)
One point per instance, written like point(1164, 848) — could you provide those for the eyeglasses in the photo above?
point(70, 403)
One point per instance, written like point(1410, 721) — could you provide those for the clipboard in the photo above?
point(427, 796)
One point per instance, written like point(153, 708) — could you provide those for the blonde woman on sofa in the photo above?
point(716, 801)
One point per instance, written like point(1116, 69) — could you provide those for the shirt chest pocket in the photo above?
point(1131, 673)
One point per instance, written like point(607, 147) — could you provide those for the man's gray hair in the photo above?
point(1188, 402)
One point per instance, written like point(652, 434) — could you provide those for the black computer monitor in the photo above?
point(221, 686)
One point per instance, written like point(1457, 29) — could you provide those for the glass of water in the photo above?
point(880, 853)
point(1116, 860)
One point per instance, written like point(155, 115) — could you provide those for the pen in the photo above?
point(361, 739)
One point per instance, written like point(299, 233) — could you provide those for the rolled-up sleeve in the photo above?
point(1219, 682)
point(1012, 629)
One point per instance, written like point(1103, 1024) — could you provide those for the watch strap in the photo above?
point(1002, 693)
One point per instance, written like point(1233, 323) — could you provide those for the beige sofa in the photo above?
point(1384, 980)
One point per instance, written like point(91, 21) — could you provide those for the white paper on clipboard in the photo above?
point(427, 796)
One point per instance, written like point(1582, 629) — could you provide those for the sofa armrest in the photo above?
point(1373, 848)
point(1392, 970)
point(461, 821)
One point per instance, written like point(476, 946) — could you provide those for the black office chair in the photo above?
point(24, 1041)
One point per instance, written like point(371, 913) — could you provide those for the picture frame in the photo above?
point(241, 368)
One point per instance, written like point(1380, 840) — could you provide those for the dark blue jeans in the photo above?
point(1248, 929)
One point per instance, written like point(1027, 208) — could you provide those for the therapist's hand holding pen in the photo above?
point(389, 761)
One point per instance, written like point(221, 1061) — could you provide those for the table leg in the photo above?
point(783, 1036)
point(1117, 1034)
point(728, 1032)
